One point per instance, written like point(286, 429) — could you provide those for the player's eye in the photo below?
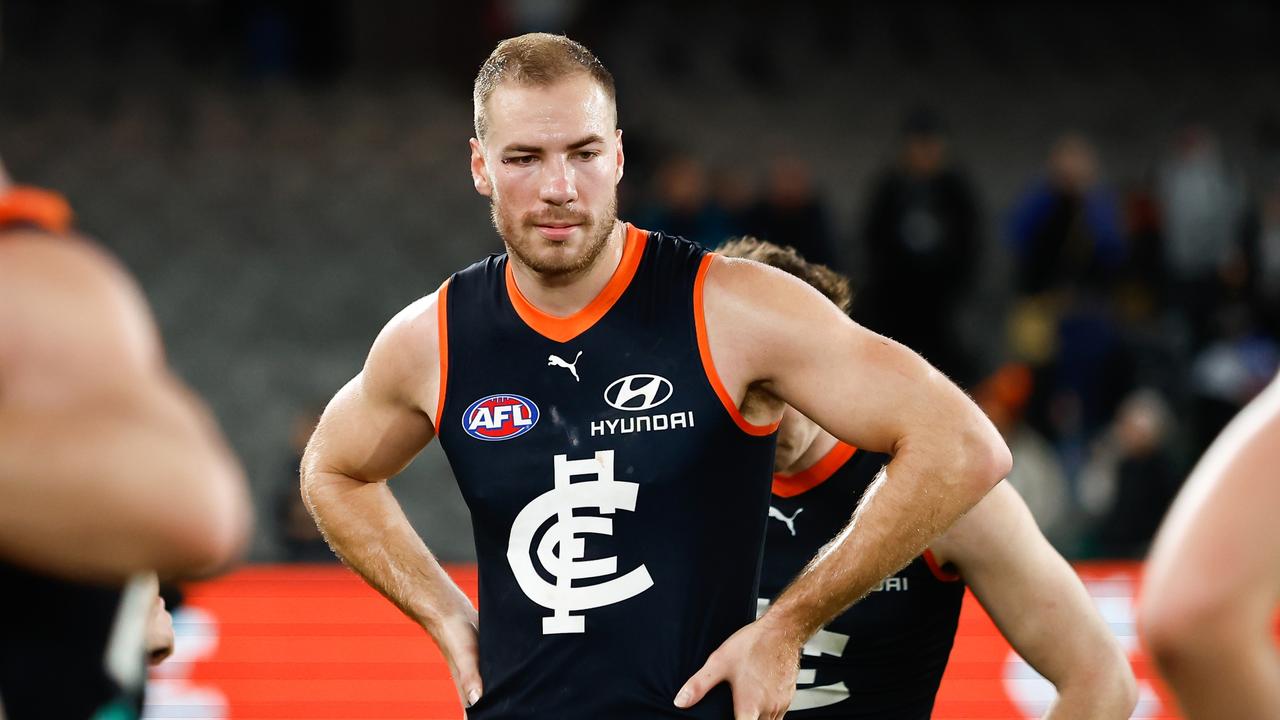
point(518, 160)
point(588, 154)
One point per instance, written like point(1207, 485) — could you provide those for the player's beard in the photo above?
point(523, 239)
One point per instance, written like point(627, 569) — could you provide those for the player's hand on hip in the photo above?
point(760, 663)
point(459, 641)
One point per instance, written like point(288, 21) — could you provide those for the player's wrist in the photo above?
point(785, 627)
point(442, 620)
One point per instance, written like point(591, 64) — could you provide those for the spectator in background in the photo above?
point(683, 205)
point(791, 213)
point(300, 539)
point(1131, 478)
point(734, 193)
point(921, 232)
point(1229, 371)
point(1262, 250)
point(1037, 475)
point(1066, 238)
point(1065, 231)
point(1202, 206)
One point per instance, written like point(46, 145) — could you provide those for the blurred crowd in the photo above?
point(1138, 318)
point(284, 175)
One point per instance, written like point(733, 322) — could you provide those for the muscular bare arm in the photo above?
point(1040, 606)
point(370, 431)
point(1213, 579)
point(108, 465)
point(773, 336)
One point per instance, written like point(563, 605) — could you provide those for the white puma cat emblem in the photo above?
point(558, 361)
point(776, 514)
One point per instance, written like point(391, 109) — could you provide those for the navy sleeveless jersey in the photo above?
point(884, 657)
point(54, 640)
point(617, 496)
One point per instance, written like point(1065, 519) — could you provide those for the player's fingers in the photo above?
point(697, 686)
point(466, 678)
point(469, 686)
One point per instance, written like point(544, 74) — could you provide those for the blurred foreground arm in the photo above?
point(108, 465)
point(369, 432)
point(1213, 578)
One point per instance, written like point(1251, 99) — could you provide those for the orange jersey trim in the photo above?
point(791, 485)
point(442, 330)
point(709, 366)
point(564, 329)
point(47, 210)
point(936, 569)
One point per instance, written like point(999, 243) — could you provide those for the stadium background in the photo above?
point(285, 176)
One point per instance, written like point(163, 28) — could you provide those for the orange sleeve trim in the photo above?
point(709, 366)
point(936, 569)
point(442, 329)
point(791, 485)
point(564, 329)
point(25, 204)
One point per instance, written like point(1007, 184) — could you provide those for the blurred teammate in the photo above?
point(884, 657)
point(607, 398)
point(109, 470)
point(1208, 609)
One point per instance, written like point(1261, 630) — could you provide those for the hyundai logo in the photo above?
point(635, 393)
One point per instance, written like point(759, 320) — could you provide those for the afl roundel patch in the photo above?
point(500, 417)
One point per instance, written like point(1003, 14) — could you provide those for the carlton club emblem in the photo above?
point(500, 417)
point(561, 549)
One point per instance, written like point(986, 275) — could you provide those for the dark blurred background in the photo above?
point(1071, 208)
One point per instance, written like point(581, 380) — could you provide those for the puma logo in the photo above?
point(776, 514)
point(557, 361)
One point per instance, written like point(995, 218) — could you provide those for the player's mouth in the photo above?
point(556, 231)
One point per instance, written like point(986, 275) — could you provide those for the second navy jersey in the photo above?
point(618, 498)
point(884, 657)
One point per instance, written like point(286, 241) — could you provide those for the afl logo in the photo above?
point(635, 393)
point(500, 417)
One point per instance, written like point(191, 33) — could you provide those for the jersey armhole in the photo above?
point(938, 571)
point(442, 333)
point(708, 364)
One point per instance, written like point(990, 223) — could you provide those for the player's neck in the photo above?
point(565, 294)
point(818, 449)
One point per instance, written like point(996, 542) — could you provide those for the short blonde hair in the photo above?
point(537, 59)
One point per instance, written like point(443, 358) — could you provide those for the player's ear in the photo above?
point(617, 176)
point(479, 170)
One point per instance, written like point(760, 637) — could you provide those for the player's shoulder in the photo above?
point(407, 351)
point(416, 328)
point(749, 289)
point(740, 275)
point(67, 297)
point(58, 263)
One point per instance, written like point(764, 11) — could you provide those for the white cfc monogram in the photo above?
point(561, 550)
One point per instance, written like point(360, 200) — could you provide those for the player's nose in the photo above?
point(558, 186)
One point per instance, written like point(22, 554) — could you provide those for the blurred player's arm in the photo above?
point(108, 465)
point(1040, 606)
point(773, 336)
point(1213, 579)
point(370, 431)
